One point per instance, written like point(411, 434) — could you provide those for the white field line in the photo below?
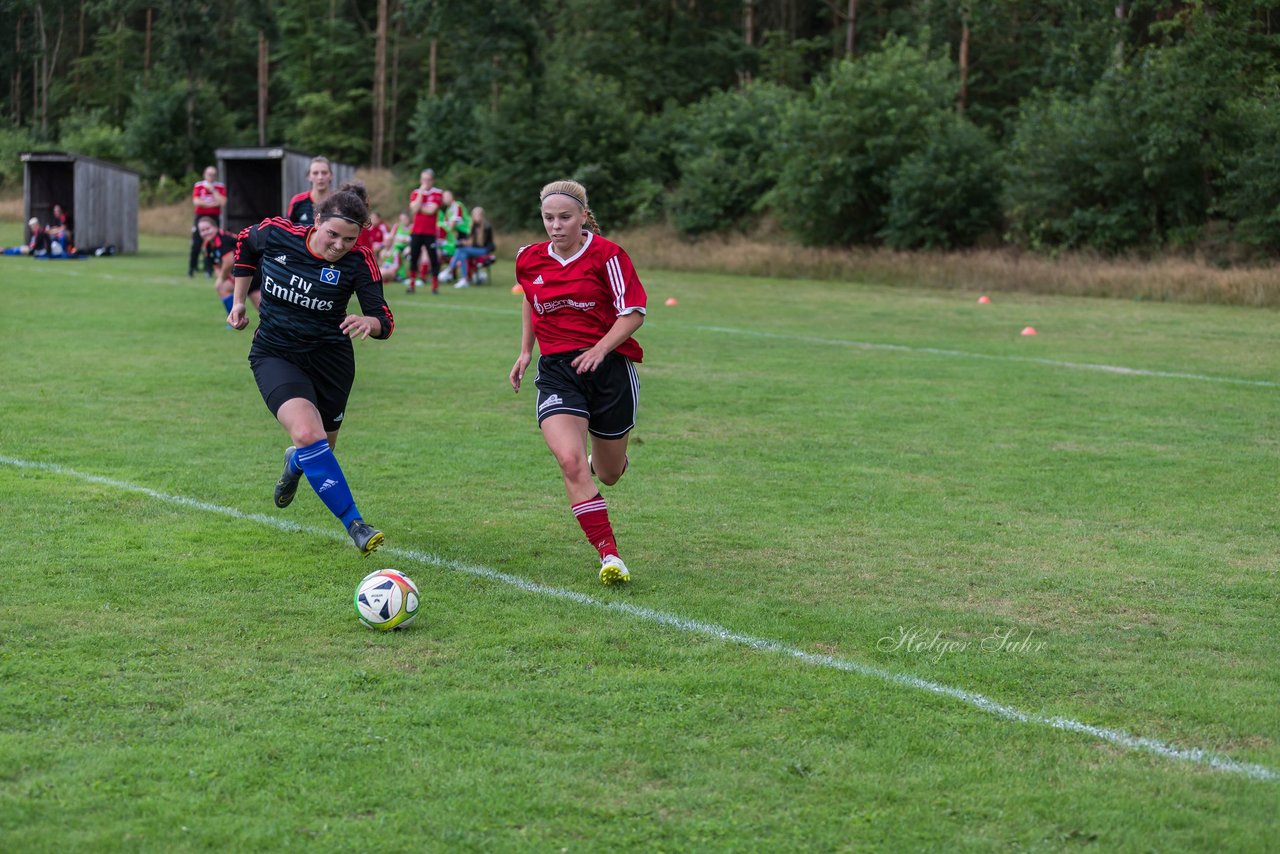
point(902, 348)
point(1194, 755)
point(934, 351)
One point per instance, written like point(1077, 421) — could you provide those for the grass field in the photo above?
point(903, 579)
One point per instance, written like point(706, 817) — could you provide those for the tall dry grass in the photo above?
point(1171, 278)
point(166, 220)
point(770, 254)
point(11, 209)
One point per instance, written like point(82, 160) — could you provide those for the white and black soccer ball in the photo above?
point(386, 599)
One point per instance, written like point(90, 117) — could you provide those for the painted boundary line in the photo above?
point(1193, 755)
point(934, 351)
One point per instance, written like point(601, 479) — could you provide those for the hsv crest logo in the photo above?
point(330, 276)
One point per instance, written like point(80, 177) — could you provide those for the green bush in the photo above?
point(944, 195)
point(1134, 162)
point(1251, 182)
point(443, 133)
point(330, 124)
point(166, 134)
point(167, 191)
point(1070, 175)
point(587, 132)
point(13, 141)
point(90, 133)
point(726, 156)
point(840, 149)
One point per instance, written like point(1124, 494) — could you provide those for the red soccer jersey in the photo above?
point(577, 300)
point(373, 236)
point(425, 223)
point(202, 196)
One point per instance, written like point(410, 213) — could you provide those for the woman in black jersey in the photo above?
point(302, 356)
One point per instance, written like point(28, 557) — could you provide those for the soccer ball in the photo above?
point(386, 599)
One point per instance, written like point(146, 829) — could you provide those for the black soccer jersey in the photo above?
point(302, 211)
point(222, 243)
point(304, 297)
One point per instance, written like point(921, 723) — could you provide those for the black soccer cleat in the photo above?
point(367, 538)
point(287, 485)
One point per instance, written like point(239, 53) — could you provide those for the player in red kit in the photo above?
point(208, 197)
point(424, 204)
point(582, 303)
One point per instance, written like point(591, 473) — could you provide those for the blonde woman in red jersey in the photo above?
point(582, 303)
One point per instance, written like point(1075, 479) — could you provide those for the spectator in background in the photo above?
point(208, 197)
point(454, 224)
point(220, 254)
point(394, 259)
point(39, 244)
point(476, 250)
point(424, 205)
point(375, 235)
point(302, 207)
point(60, 229)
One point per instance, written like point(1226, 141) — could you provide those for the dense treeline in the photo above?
point(1100, 124)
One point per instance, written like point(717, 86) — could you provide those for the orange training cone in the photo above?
point(1030, 330)
point(984, 299)
point(516, 289)
point(671, 301)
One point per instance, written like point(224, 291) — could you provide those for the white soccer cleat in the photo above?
point(614, 571)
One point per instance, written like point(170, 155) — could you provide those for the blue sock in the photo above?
point(325, 476)
point(227, 301)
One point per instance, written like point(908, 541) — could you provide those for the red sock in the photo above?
point(593, 516)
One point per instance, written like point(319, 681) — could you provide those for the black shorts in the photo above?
point(607, 397)
point(323, 377)
point(418, 242)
